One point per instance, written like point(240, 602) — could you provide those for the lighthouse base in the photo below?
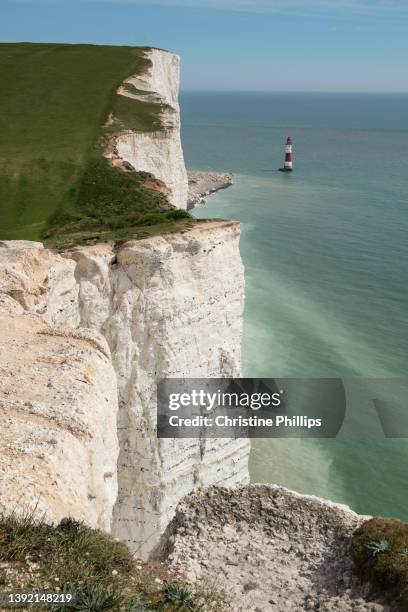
point(285, 169)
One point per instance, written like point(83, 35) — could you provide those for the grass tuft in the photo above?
point(377, 547)
point(180, 596)
point(95, 600)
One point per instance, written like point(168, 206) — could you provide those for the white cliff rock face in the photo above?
point(162, 81)
point(40, 281)
point(58, 394)
point(168, 306)
point(58, 408)
point(159, 153)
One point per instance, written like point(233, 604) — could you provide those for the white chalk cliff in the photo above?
point(58, 398)
point(159, 153)
point(87, 334)
point(167, 306)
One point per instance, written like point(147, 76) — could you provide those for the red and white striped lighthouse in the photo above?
point(288, 155)
point(288, 165)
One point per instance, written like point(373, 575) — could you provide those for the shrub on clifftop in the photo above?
point(380, 555)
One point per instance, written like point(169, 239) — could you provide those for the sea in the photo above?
point(325, 251)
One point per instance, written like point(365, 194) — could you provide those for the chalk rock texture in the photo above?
point(58, 408)
point(169, 306)
point(267, 548)
point(165, 306)
point(159, 153)
point(42, 282)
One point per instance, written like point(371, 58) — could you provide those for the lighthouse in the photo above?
point(288, 165)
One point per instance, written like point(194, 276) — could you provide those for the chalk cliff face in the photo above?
point(158, 152)
point(88, 334)
point(167, 306)
point(58, 400)
point(40, 281)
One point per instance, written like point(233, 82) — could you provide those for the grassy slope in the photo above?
point(53, 101)
point(102, 572)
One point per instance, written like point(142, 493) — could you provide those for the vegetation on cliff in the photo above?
point(380, 555)
point(99, 570)
point(112, 205)
point(55, 101)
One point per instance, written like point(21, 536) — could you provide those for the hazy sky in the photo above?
point(316, 45)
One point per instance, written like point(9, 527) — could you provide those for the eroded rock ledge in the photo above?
point(203, 184)
point(267, 548)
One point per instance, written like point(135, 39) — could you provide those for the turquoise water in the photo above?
point(326, 258)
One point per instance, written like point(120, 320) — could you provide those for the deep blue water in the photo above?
point(326, 257)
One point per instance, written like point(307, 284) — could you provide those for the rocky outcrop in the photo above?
point(39, 280)
point(267, 549)
point(160, 304)
point(159, 152)
point(203, 184)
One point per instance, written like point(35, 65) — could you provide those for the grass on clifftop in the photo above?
point(111, 205)
point(54, 182)
point(380, 555)
point(100, 570)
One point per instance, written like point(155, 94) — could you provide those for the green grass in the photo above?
point(100, 570)
point(380, 555)
point(54, 182)
point(109, 204)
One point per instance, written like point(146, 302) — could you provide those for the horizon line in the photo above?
point(294, 91)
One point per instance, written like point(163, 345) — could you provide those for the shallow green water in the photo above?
point(325, 253)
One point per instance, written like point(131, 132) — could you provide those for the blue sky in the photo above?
point(256, 45)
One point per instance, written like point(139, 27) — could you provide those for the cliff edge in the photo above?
point(268, 549)
point(157, 152)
